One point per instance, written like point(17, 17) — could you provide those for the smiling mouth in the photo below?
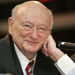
point(33, 42)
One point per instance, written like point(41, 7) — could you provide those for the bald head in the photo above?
point(33, 8)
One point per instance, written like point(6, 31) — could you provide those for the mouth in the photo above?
point(32, 42)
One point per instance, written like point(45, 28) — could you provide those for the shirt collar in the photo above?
point(24, 61)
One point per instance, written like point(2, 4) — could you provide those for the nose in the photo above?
point(34, 33)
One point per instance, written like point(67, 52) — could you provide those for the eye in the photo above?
point(27, 26)
point(42, 28)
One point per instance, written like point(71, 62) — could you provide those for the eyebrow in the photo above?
point(26, 22)
point(33, 24)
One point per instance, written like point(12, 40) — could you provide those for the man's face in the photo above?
point(30, 30)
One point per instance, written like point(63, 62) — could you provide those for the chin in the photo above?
point(31, 49)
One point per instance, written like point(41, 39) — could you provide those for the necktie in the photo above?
point(29, 68)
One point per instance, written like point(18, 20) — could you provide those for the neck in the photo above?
point(29, 55)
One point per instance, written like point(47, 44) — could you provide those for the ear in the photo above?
point(10, 23)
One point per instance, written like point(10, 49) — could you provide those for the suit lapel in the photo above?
point(16, 61)
point(44, 65)
point(38, 69)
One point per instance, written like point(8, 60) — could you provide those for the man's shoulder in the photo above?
point(3, 40)
point(4, 43)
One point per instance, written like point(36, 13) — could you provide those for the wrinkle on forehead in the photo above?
point(33, 7)
point(33, 11)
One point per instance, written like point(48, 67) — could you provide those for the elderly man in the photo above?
point(30, 35)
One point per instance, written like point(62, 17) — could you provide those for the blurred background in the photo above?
point(64, 17)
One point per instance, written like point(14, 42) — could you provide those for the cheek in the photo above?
point(44, 36)
point(16, 33)
point(15, 29)
point(24, 33)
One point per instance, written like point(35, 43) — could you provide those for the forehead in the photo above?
point(34, 14)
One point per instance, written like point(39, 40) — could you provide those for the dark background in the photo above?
point(64, 25)
point(57, 7)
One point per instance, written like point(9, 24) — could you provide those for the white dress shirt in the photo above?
point(24, 61)
point(65, 65)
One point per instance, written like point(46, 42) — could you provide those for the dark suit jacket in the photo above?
point(9, 62)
